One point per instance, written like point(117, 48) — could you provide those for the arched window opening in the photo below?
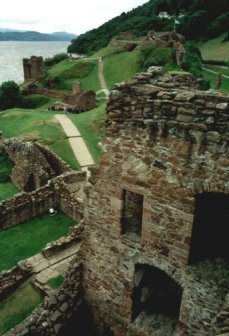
point(210, 227)
point(156, 300)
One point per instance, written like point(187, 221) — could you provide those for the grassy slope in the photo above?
point(85, 71)
point(215, 49)
point(38, 124)
point(18, 306)
point(120, 66)
point(212, 78)
point(27, 239)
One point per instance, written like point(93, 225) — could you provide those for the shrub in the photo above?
point(10, 95)
point(6, 166)
point(158, 57)
point(34, 101)
point(50, 61)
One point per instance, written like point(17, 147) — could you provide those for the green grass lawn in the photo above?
point(38, 124)
point(120, 66)
point(7, 190)
point(27, 239)
point(215, 49)
point(18, 306)
point(91, 127)
point(85, 71)
point(212, 78)
point(224, 71)
point(56, 282)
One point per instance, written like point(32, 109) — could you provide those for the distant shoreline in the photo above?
point(33, 36)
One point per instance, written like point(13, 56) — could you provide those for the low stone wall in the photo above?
point(9, 280)
point(62, 243)
point(69, 190)
point(53, 313)
point(65, 192)
point(54, 160)
point(26, 206)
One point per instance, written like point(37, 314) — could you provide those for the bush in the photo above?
point(10, 95)
point(34, 101)
point(158, 57)
point(6, 166)
point(192, 61)
point(50, 61)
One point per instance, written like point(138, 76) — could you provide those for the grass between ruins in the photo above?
point(7, 190)
point(27, 239)
point(18, 306)
point(56, 282)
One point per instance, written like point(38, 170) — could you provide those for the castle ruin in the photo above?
point(154, 259)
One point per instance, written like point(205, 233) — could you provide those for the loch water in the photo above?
point(13, 52)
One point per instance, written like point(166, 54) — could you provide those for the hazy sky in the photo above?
point(61, 15)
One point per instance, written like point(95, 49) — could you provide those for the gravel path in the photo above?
point(76, 141)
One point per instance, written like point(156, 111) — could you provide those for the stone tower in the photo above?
point(157, 210)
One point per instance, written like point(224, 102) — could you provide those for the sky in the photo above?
point(72, 16)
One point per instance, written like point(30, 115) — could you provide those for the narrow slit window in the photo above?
point(132, 214)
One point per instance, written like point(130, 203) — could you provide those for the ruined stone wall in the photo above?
point(55, 161)
point(69, 190)
point(50, 317)
point(167, 142)
point(32, 67)
point(26, 206)
point(11, 279)
point(64, 192)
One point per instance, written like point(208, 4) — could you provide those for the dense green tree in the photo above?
point(201, 19)
point(10, 95)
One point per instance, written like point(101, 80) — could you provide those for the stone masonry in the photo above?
point(164, 156)
point(32, 67)
point(166, 142)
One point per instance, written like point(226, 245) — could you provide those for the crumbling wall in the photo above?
point(32, 67)
point(65, 192)
point(26, 206)
point(167, 142)
point(50, 317)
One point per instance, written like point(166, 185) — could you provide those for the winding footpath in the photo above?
point(76, 141)
point(101, 79)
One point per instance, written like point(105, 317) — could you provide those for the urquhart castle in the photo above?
point(153, 216)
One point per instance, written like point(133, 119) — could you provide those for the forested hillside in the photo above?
point(198, 19)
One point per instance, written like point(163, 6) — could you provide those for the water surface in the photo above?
point(12, 53)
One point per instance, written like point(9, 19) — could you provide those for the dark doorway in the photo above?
point(132, 215)
point(156, 298)
point(210, 227)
